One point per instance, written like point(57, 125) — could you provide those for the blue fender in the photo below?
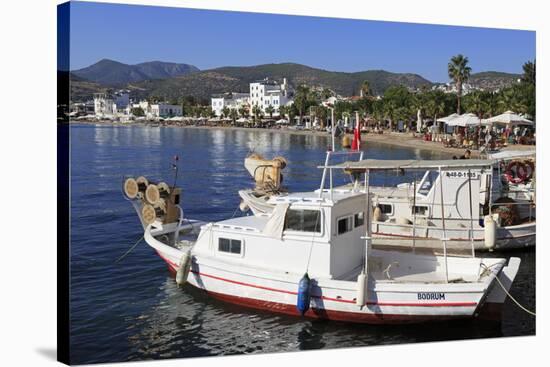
point(304, 294)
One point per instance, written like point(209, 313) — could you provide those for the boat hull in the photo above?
point(383, 306)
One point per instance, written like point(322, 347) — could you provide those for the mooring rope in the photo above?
point(130, 250)
point(508, 293)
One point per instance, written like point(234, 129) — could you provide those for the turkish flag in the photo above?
point(356, 143)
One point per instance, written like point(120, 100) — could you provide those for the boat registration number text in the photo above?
point(431, 296)
point(462, 174)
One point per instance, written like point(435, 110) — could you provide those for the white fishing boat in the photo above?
point(455, 206)
point(313, 256)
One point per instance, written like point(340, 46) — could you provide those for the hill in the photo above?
point(114, 73)
point(205, 83)
point(493, 80)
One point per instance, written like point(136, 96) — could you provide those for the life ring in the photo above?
point(531, 169)
point(515, 172)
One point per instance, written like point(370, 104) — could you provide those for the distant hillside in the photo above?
point(492, 80)
point(171, 81)
point(205, 83)
point(114, 73)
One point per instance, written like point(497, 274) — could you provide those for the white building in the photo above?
point(110, 104)
point(233, 101)
point(267, 92)
point(165, 110)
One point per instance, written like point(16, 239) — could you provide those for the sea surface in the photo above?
point(133, 310)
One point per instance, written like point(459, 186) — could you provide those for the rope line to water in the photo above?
point(509, 295)
point(130, 250)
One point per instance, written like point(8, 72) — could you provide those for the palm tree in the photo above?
point(459, 72)
point(301, 99)
point(243, 111)
point(256, 111)
point(476, 104)
point(269, 109)
point(233, 114)
point(225, 111)
point(283, 110)
point(436, 104)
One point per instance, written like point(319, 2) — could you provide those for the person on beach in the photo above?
point(466, 155)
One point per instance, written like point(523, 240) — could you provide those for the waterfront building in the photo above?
point(232, 100)
point(111, 103)
point(265, 93)
point(163, 110)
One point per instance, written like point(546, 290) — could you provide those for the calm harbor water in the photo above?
point(133, 310)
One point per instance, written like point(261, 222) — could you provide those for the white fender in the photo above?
point(490, 232)
point(184, 268)
point(361, 289)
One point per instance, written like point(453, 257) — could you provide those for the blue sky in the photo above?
point(209, 39)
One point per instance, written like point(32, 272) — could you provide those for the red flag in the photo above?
point(356, 144)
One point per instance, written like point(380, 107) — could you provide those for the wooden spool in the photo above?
point(152, 194)
point(164, 189)
point(142, 183)
point(148, 214)
point(131, 188)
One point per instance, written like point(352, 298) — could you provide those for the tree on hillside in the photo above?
point(459, 72)
point(365, 89)
point(529, 72)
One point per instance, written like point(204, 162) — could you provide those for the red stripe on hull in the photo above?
point(370, 318)
point(315, 313)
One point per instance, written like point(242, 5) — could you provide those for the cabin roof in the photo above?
point(248, 223)
point(412, 164)
point(312, 197)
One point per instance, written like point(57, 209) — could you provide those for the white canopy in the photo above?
point(467, 119)
point(242, 119)
point(511, 154)
point(411, 164)
point(448, 118)
point(509, 118)
point(282, 122)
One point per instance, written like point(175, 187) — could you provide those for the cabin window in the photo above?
point(303, 220)
point(229, 245)
point(427, 182)
point(344, 225)
point(420, 210)
point(359, 219)
point(386, 209)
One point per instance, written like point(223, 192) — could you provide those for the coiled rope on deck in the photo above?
point(508, 293)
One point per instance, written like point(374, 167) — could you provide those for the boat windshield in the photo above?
point(427, 182)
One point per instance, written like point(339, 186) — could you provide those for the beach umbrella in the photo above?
point(448, 118)
point(509, 118)
point(467, 119)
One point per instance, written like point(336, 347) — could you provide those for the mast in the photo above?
point(443, 225)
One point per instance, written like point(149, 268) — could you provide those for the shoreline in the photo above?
point(405, 140)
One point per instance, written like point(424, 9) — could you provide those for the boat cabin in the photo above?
point(305, 232)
